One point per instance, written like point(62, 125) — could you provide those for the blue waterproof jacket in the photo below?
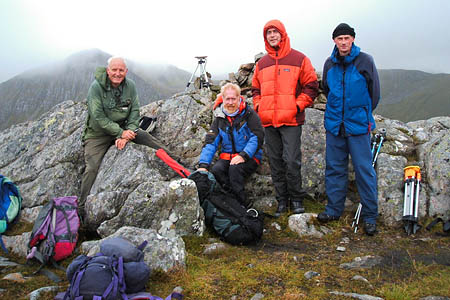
point(352, 88)
point(242, 134)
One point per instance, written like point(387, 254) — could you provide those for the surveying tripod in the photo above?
point(411, 200)
point(376, 143)
point(204, 82)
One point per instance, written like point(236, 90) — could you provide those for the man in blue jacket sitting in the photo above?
point(238, 131)
point(351, 84)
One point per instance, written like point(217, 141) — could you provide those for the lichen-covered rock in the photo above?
point(44, 158)
point(301, 224)
point(17, 244)
point(391, 188)
point(435, 155)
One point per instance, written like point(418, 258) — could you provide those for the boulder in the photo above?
point(161, 252)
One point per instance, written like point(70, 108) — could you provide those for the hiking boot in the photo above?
point(297, 207)
point(282, 208)
point(324, 218)
point(370, 229)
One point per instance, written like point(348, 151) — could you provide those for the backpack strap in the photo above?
point(143, 245)
point(52, 276)
point(176, 296)
point(63, 209)
point(73, 292)
point(432, 224)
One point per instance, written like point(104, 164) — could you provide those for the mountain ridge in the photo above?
point(26, 96)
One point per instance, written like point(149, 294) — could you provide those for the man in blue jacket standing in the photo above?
point(351, 84)
point(238, 133)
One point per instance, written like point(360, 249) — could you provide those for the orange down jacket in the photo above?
point(284, 83)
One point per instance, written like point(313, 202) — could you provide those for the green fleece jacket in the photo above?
point(111, 110)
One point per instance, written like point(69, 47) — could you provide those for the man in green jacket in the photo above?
point(113, 119)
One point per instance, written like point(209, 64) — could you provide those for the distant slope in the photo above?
point(413, 95)
point(28, 95)
point(167, 79)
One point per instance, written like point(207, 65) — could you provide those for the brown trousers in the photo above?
point(95, 149)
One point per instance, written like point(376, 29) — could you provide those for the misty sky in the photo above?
point(404, 34)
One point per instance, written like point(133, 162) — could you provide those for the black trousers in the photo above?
point(232, 177)
point(285, 159)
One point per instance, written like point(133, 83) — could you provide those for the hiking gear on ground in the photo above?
point(376, 144)
point(445, 225)
point(338, 149)
point(233, 222)
point(324, 218)
point(281, 209)
point(117, 246)
point(55, 231)
point(10, 205)
point(411, 199)
point(297, 207)
point(114, 273)
point(136, 296)
point(370, 229)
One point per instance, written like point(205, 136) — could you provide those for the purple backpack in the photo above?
point(55, 231)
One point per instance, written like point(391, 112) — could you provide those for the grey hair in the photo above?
point(117, 57)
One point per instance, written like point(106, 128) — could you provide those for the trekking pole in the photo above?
point(412, 179)
point(382, 136)
point(373, 144)
point(376, 143)
point(356, 218)
point(416, 225)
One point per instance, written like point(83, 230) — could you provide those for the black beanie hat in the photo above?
point(343, 29)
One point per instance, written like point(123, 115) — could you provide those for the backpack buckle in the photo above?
point(252, 212)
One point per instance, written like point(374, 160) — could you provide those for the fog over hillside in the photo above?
point(28, 95)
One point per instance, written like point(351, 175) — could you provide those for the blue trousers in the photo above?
point(336, 174)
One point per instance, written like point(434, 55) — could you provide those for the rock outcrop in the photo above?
point(135, 189)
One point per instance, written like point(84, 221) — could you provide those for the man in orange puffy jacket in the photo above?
point(284, 85)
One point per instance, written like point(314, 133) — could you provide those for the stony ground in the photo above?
point(390, 265)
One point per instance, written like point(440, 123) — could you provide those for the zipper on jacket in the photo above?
point(343, 99)
point(274, 119)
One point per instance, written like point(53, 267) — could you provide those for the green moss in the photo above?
point(412, 266)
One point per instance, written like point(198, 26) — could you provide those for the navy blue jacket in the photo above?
point(352, 88)
point(245, 132)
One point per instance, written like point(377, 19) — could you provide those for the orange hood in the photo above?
point(284, 45)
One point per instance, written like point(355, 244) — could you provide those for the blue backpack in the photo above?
point(10, 205)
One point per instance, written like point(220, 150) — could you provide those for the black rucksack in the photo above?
point(234, 223)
